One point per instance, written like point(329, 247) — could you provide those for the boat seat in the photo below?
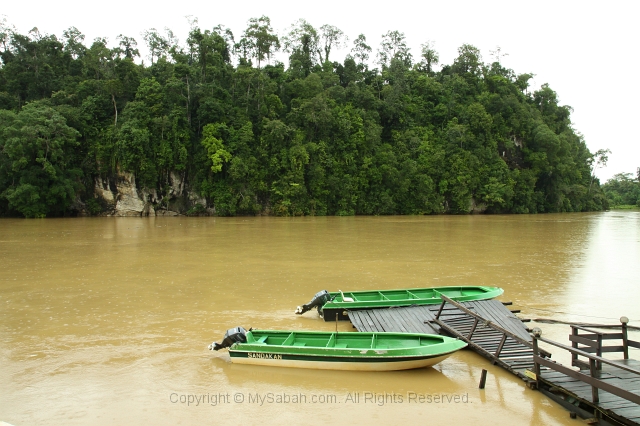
point(262, 339)
point(299, 344)
point(340, 345)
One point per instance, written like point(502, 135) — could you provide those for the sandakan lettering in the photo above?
point(263, 355)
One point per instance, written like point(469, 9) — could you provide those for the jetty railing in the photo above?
point(479, 320)
point(592, 341)
point(593, 377)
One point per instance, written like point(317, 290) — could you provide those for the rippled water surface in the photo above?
point(107, 320)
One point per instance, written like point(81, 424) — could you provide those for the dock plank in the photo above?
point(374, 319)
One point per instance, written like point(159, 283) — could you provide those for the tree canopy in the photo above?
point(316, 136)
point(623, 189)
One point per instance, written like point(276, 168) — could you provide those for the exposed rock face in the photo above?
point(148, 210)
point(150, 195)
point(128, 201)
point(125, 199)
point(104, 194)
point(177, 184)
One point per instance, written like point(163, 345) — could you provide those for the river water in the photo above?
point(107, 320)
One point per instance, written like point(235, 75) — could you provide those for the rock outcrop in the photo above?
point(104, 194)
point(121, 197)
point(177, 184)
point(128, 202)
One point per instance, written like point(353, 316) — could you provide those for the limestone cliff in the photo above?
point(120, 196)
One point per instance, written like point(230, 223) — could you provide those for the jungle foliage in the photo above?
point(623, 189)
point(253, 136)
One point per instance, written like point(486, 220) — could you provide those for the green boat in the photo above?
point(334, 306)
point(337, 351)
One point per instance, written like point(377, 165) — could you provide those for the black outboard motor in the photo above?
point(233, 335)
point(318, 301)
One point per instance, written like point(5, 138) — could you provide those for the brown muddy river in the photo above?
point(107, 320)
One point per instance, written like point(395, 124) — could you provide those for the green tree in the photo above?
point(394, 47)
point(361, 49)
point(429, 57)
point(259, 40)
point(38, 145)
point(331, 37)
point(622, 189)
point(214, 146)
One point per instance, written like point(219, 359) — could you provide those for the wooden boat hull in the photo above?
point(343, 351)
point(337, 309)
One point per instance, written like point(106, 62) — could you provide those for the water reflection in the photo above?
point(609, 272)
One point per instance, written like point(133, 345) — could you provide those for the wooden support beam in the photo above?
point(441, 308)
point(504, 339)
point(473, 328)
point(486, 323)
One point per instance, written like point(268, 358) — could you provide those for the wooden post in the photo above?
point(599, 353)
point(483, 379)
point(574, 356)
point(625, 338)
point(473, 328)
point(594, 390)
point(536, 353)
point(440, 310)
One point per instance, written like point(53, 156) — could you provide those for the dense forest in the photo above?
point(216, 125)
point(623, 189)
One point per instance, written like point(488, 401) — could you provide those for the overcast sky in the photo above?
point(586, 51)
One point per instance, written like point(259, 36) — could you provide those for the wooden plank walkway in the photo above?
point(572, 388)
point(514, 356)
point(411, 319)
point(493, 331)
point(614, 406)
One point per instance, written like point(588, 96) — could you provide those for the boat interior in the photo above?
point(341, 340)
point(412, 294)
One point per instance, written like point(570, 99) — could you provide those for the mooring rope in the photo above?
point(577, 315)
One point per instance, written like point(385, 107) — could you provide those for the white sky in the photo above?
point(586, 51)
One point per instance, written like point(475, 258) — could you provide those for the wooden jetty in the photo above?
point(604, 390)
point(488, 326)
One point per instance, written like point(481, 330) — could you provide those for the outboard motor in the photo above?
point(233, 335)
point(318, 301)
